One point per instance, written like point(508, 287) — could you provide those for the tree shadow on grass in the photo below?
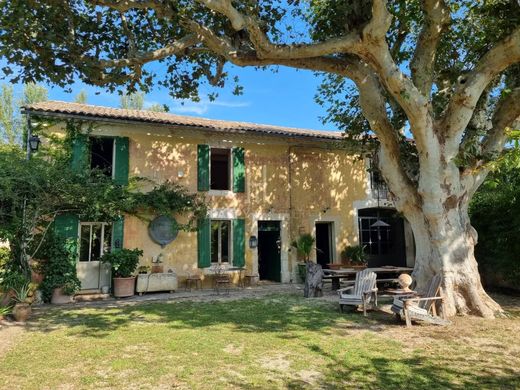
point(281, 314)
point(417, 372)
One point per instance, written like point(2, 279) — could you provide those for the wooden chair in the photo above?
point(193, 279)
point(422, 307)
point(363, 292)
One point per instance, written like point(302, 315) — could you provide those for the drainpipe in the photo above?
point(289, 223)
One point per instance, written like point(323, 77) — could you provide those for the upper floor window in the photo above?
point(102, 154)
point(220, 169)
point(377, 183)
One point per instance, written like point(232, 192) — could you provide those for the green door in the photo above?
point(269, 254)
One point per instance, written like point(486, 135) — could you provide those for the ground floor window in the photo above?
point(95, 239)
point(220, 241)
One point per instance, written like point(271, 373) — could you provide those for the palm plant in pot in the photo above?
point(124, 263)
point(22, 308)
point(304, 246)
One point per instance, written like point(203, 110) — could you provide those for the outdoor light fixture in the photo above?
point(253, 242)
point(379, 223)
point(34, 143)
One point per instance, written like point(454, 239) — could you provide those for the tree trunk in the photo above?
point(313, 280)
point(445, 244)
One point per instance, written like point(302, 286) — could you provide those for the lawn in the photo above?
point(277, 342)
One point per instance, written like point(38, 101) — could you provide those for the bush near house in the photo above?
point(495, 214)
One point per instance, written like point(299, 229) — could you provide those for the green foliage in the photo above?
point(495, 214)
point(58, 265)
point(81, 97)
point(21, 293)
point(4, 310)
point(132, 101)
point(124, 262)
point(304, 245)
point(356, 254)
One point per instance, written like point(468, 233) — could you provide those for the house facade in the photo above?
point(264, 186)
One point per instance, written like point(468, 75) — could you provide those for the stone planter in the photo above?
point(59, 297)
point(124, 287)
point(21, 312)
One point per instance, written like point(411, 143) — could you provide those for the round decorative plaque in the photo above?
point(163, 230)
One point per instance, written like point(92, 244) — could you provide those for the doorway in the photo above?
point(324, 243)
point(269, 254)
point(384, 245)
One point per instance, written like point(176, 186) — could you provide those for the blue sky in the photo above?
point(283, 98)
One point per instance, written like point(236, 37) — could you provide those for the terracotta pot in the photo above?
point(36, 275)
point(334, 266)
point(157, 269)
point(6, 297)
point(124, 287)
point(21, 312)
point(59, 297)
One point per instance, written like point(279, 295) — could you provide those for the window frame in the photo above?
point(219, 261)
point(101, 246)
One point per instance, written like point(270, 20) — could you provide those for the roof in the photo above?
point(85, 111)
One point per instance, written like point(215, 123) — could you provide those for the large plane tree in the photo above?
point(436, 81)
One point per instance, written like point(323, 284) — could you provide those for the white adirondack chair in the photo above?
point(422, 308)
point(362, 293)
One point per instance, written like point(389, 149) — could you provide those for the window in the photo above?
point(220, 241)
point(95, 238)
point(220, 169)
point(377, 183)
point(102, 154)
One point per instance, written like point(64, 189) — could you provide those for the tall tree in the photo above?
point(444, 72)
point(132, 101)
point(12, 126)
point(81, 97)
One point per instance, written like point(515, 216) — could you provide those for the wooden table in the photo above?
point(347, 273)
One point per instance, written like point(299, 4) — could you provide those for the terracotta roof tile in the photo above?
point(99, 112)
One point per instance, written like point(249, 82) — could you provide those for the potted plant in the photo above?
point(354, 256)
point(304, 246)
point(124, 263)
point(143, 269)
point(157, 267)
point(22, 308)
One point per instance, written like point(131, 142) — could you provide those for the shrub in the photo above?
point(58, 266)
point(304, 245)
point(124, 262)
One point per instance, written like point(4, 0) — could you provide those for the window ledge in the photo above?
point(227, 193)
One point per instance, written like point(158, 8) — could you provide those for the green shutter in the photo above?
point(121, 160)
point(66, 227)
point(239, 170)
point(239, 242)
point(203, 167)
point(118, 228)
point(79, 153)
point(203, 243)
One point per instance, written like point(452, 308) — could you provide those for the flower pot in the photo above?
point(6, 297)
point(157, 269)
point(124, 287)
point(21, 312)
point(59, 297)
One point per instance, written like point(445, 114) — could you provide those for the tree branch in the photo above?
point(471, 86)
point(505, 115)
point(436, 20)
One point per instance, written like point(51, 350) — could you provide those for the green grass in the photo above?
point(278, 342)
